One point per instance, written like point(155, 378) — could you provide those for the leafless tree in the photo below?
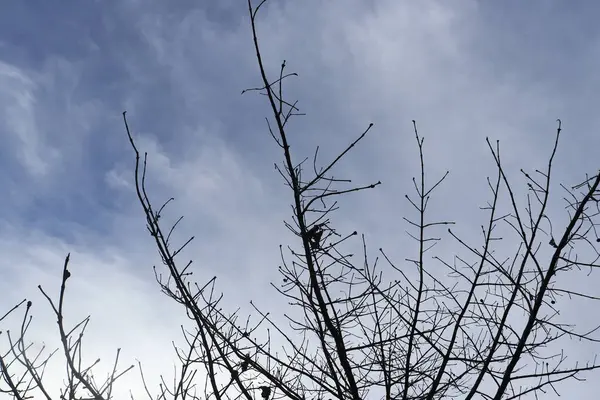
point(22, 373)
point(478, 326)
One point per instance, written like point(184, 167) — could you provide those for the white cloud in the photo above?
point(19, 102)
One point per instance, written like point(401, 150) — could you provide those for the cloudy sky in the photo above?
point(464, 70)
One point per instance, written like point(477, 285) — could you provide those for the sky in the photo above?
point(464, 70)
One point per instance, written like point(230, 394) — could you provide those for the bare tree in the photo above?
point(478, 326)
point(22, 374)
point(488, 328)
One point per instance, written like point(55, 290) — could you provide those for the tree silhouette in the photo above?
point(477, 326)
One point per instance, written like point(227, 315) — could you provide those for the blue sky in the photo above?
point(464, 70)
